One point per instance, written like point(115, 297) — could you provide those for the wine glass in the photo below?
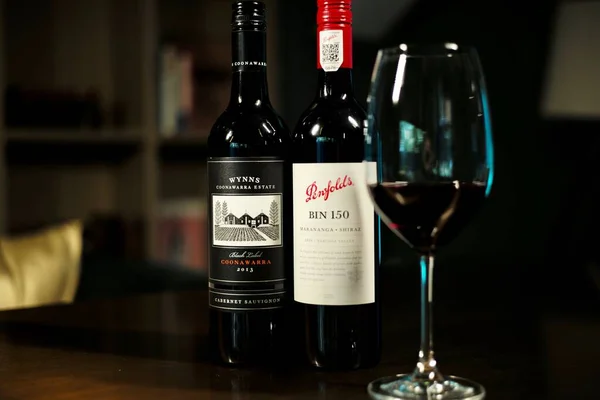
point(429, 140)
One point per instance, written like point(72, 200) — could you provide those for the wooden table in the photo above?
point(154, 347)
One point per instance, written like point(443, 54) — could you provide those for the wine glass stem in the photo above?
point(427, 366)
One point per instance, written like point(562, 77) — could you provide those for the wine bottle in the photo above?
point(247, 151)
point(335, 226)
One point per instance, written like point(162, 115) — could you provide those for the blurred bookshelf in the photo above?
point(70, 147)
point(184, 149)
point(106, 111)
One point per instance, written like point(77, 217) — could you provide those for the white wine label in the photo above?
point(331, 49)
point(334, 234)
point(246, 254)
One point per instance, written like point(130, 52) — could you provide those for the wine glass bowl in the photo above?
point(429, 133)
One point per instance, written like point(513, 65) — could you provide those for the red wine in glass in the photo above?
point(427, 215)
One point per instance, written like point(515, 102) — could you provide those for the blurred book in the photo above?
point(182, 232)
point(215, 84)
point(176, 91)
point(181, 77)
point(186, 93)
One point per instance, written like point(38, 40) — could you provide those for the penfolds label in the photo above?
point(246, 259)
point(334, 222)
point(314, 191)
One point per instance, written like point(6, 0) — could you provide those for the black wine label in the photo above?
point(246, 260)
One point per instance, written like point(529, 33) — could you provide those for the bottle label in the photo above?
point(246, 260)
point(335, 49)
point(334, 231)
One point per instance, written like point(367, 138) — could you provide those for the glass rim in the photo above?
point(427, 50)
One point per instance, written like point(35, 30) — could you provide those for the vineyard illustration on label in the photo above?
point(247, 221)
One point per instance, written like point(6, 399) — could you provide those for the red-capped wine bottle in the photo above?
point(247, 205)
point(335, 227)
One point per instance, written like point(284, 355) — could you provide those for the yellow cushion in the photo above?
point(41, 268)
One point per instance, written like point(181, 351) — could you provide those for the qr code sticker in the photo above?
point(330, 52)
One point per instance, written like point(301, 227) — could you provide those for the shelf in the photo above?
point(65, 147)
point(184, 149)
point(73, 135)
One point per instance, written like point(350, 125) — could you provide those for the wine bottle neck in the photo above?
point(249, 68)
point(334, 60)
point(336, 84)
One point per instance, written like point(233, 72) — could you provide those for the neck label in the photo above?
point(335, 49)
point(249, 51)
point(249, 64)
point(331, 44)
point(241, 66)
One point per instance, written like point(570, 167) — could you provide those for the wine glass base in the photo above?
point(406, 387)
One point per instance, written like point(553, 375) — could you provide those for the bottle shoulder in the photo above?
point(252, 126)
point(330, 118)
